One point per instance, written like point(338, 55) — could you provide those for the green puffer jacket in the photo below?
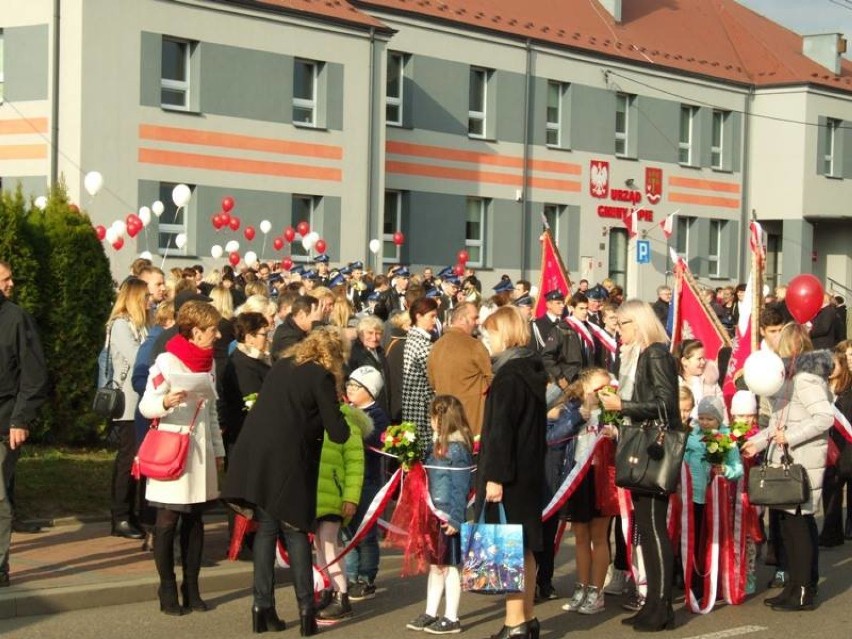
point(341, 472)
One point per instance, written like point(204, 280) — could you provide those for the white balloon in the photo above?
point(308, 242)
point(158, 208)
point(111, 235)
point(146, 255)
point(180, 240)
point(764, 373)
point(314, 236)
point(375, 246)
point(533, 291)
point(232, 246)
point(145, 215)
point(120, 228)
point(216, 251)
point(250, 258)
point(766, 290)
point(181, 195)
point(41, 202)
point(265, 226)
point(93, 182)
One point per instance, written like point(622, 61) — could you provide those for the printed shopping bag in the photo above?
point(493, 556)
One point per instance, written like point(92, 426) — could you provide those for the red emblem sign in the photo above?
point(653, 185)
point(599, 178)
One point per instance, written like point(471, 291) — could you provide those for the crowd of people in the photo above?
point(310, 367)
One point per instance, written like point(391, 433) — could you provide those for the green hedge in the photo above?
point(62, 276)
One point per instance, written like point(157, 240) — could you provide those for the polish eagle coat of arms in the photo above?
point(599, 178)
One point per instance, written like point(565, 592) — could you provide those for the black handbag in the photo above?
point(109, 398)
point(784, 485)
point(648, 456)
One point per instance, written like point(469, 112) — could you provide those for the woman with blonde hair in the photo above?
point(126, 330)
point(648, 387)
point(275, 463)
point(513, 444)
point(260, 304)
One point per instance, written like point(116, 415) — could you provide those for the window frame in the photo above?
point(474, 115)
point(387, 238)
point(173, 230)
point(314, 201)
point(687, 145)
point(717, 151)
point(474, 243)
point(714, 262)
point(2, 65)
point(554, 211)
point(623, 137)
point(551, 126)
point(397, 102)
point(178, 85)
point(311, 104)
point(684, 223)
point(829, 161)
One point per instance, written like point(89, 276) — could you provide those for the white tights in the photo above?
point(325, 542)
point(447, 581)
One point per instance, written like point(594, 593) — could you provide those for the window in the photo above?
point(829, 146)
point(172, 221)
point(474, 234)
point(305, 77)
point(713, 262)
point(302, 210)
point(684, 224)
point(395, 85)
point(717, 144)
point(478, 100)
point(552, 213)
point(687, 124)
point(175, 74)
point(555, 95)
point(1, 66)
point(623, 107)
point(392, 224)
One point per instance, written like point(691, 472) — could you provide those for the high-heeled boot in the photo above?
point(308, 623)
point(266, 619)
point(168, 594)
point(521, 631)
point(535, 628)
point(191, 596)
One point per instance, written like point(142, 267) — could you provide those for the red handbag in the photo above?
point(162, 454)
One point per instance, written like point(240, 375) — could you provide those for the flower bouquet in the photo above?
point(400, 440)
point(610, 417)
point(716, 444)
point(742, 430)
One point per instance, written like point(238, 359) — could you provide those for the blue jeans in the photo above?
point(264, 563)
point(363, 560)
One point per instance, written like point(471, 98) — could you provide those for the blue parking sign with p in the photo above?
point(643, 251)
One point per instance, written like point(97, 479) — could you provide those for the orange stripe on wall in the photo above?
point(31, 125)
point(234, 141)
point(428, 170)
point(707, 185)
point(555, 167)
point(704, 200)
point(23, 152)
point(555, 185)
point(453, 155)
point(237, 165)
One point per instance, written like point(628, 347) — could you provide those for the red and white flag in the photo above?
point(693, 318)
point(668, 224)
point(631, 222)
point(553, 273)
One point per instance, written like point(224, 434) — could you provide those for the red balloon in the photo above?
point(234, 258)
point(130, 219)
point(227, 203)
point(804, 297)
point(249, 233)
point(278, 243)
point(289, 234)
point(463, 256)
point(303, 228)
point(398, 238)
point(100, 231)
point(133, 229)
point(458, 269)
point(225, 218)
point(320, 246)
point(234, 223)
point(118, 243)
point(216, 221)
point(286, 263)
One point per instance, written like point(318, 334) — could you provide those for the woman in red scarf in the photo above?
point(190, 351)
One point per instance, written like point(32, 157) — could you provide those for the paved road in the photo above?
point(399, 600)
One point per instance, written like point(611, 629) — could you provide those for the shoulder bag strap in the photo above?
point(155, 423)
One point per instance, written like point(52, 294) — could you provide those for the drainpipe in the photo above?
point(54, 109)
point(746, 169)
point(525, 208)
point(371, 214)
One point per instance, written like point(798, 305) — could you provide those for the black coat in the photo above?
point(395, 351)
point(823, 328)
point(513, 444)
point(275, 462)
point(563, 353)
point(243, 375)
point(360, 356)
point(655, 386)
point(287, 334)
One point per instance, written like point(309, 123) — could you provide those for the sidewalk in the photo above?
point(80, 565)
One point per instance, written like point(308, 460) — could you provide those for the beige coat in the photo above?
point(199, 483)
point(459, 365)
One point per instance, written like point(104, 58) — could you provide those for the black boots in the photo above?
point(168, 594)
point(521, 631)
point(191, 597)
point(535, 628)
point(266, 620)
point(656, 619)
point(337, 610)
point(799, 598)
point(308, 623)
point(126, 529)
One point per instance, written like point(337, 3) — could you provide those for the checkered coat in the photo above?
point(417, 394)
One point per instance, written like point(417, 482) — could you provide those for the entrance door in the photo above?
point(618, 257)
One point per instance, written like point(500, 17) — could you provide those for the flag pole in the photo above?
point(757, 265)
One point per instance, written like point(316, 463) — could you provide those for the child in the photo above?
point(711, 416)
point(449, 485)
point(362, 563)
point(744, 410)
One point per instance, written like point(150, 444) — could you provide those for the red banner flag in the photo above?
point(553, 273)
point(693, 318)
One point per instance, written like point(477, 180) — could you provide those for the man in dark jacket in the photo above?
point(823, 325)
point(661, 306)
point(559, 346)
point(23, 389)
point(305, 314)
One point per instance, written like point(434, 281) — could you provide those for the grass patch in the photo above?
point(53, 482)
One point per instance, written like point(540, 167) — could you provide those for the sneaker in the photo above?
point(635, 602)
point(361, 590)
point(593, 603)
point(779, 580)
point(618, 583)
point(443, 626)
point(577, 599)
point(421, 622)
